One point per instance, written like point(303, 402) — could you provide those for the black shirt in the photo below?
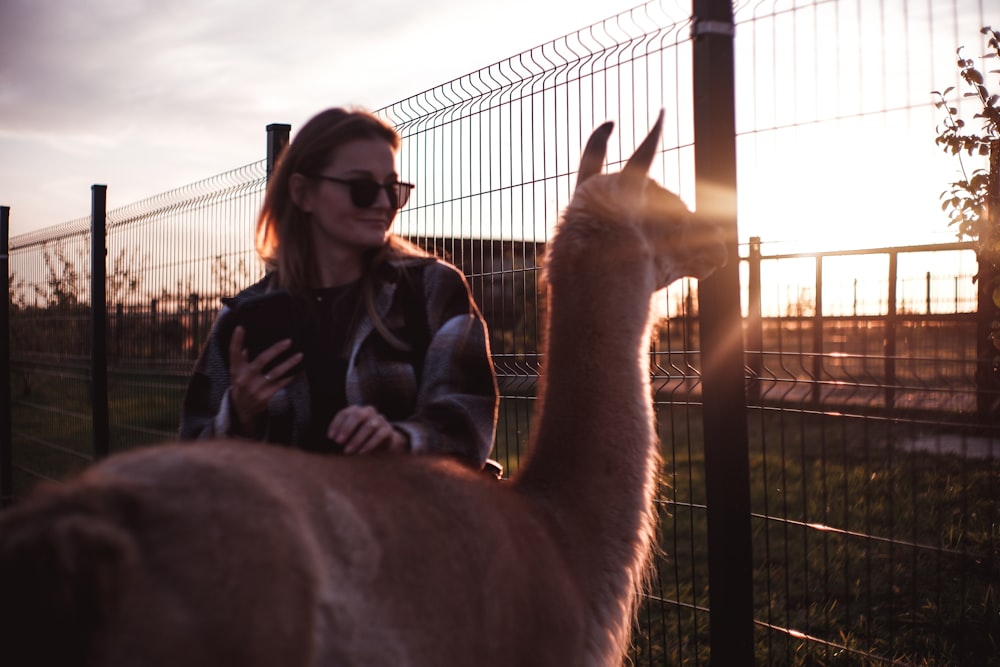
point(327, 354)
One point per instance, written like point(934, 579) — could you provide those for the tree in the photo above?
point(125, 276)
point(63, 285)
point(973, 206)
point(17, 292)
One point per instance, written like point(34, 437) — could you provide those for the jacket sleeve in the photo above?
point(206, 411)
point(457, 400)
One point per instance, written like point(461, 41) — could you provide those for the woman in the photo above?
point(390, 352)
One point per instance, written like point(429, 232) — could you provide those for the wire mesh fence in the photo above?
point(874, 479)
point(170, 258)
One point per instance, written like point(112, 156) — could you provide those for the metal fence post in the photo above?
point(755, 322)
point(6, 430)
point(927, 292)
point(194, 308)
point(277, 139)
point(817, 332)
point(891, 323)
point(727, 464)
point(154, 325)
point(99, 320)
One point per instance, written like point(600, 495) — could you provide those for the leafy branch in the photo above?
point(967, 200)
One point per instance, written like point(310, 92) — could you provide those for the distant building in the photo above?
point(504, 279)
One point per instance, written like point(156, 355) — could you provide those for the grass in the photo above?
point(878, 555)
point(864, 552)
point(52, 419)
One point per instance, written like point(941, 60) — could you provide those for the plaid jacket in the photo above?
point(451, 408)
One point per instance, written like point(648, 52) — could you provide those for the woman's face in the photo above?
point(338, 224)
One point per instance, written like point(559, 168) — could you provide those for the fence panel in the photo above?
point(868, 458)
point(874, 483)
point(170, 260)
point(50, 331)
point(868, 452)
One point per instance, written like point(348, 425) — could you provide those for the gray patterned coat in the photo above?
point(452, 405)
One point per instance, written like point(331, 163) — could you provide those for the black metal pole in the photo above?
point(727, 464)
point(99, 318)
point(277, 139)
point(755, 322)
point(817, 333)
point(6, 430)
point(891, 323)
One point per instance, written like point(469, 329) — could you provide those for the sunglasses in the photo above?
point(364, 191)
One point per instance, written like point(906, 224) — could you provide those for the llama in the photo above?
point(238, 553)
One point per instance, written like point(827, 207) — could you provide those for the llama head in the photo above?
point(631, 205)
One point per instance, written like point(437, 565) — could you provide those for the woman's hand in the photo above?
point(251, 388)
point(362, 429)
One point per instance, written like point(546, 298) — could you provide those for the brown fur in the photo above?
point(237, 553)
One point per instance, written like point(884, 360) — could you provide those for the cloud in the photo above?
point(87, 68)
point(148, 95)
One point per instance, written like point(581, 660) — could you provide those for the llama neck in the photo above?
point(595, 372)
point(593, 459)
point(594, 427)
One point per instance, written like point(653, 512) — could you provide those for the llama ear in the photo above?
point(592, 159)
point(637, 168)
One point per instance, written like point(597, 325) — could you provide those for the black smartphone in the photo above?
point(266, 319)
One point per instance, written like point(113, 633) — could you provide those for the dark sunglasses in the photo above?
point(364, 191)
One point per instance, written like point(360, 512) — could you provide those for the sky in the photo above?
point(146, 96)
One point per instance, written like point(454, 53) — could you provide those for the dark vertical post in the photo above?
point(987, 372)
point(119, 334)
point(194, 306)
point(727, 465)
point(755, 322)
point(6, 431)
point(987, 357)
point(928, 305)
point(817, 342)
point(689, 313)
point(277, 139)
point(154, 327)
point(890, 336)
point(99, 319)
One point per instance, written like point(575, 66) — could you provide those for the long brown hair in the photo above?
point(283, 236)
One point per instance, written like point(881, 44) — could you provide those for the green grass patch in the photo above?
point(864, 553)
point(867, 550)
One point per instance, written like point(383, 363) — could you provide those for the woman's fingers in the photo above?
point(371, 436)
point(283, 370)
point(237, 355)
point(347, 421)
point(263, 360)
point(251, 387)
point(360, 429)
